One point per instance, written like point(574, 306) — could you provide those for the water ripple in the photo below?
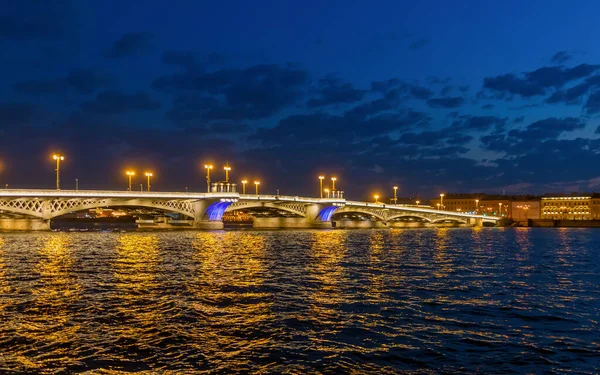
point(382, 301)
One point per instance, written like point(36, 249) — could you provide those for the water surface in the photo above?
point(482, 300)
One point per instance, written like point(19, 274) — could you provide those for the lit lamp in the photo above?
point(208, 167)
point(256, 183)
point(227, 168)
point(333, 180)
point(376, 198)
point(326, 192)
point(395, 195)
point(477, 205)
point(244, 182)
point(321, 185)
point(442, 201)
point(148, 174)
point(58, 158)
point(418, 202)
point(129, 174)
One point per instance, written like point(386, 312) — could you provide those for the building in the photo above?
point(522, 210)
point(517, 207)
point(580, 207)
point(457, 202)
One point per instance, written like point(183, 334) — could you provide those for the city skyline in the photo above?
point(391, 95)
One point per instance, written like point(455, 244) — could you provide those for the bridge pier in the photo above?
point(25, 224)
point(289, 223)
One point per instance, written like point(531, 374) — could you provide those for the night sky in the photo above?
point(433, 96)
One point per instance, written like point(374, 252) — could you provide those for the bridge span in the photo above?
point(33, 209)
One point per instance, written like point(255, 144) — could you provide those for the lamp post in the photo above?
point(129, 174)
point(418, 202)
point(442, 200)
point(376, 198)
point(256, 183)
point(227, 168)
point(58, 158)
point(244, 182)
point(395, 195)
point(148, 174)
point(477, 205)
point(500, 208)
point(321, 178)
point(333, 180)
point(438, 206)
point(76, 184)
point(208, 167)
point(326, 192)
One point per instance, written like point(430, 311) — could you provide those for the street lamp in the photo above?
point(208, 167)
point(321, 185)
point(244, 182)
point(376, 198)
point(395, 195)
point(256, 183)
point(438, 206)
point(442, 200)
point(227, 168)
point(326, 192)
point(418, 202)
point(148, 174)
point(477, 205)
point(129, 175)
point(500, 208)
point(58, 158)
point(333, 180)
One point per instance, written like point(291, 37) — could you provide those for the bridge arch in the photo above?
point(294, 208)
point(407, 214)
point(358, 210)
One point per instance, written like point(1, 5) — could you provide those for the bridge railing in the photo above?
point(418, 209)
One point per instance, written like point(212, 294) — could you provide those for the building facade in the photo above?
point(570, 207)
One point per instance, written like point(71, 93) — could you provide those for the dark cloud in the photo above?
point(448, 102)
point(420, 92)
point(592, 106)
point(115, 102)
point(15, 114)
point(573, 95)
point(252, 93)
point(333, 91)
point(80, 80)
point(185, 59)
point(487, 107)
point(31, 19)
point(418, 44)
point(537, 82)
point(479, 123)
point(130, 44)
point(384, 86)
point(446, 90)
point(560, 57)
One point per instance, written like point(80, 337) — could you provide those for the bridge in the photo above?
point(34, 210)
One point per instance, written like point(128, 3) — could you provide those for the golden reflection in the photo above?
point(228, 289)
point(49, 323)
point(328, 250)
point(443, 261)
point(377, 241)
point(4, 287)
point(135, 272)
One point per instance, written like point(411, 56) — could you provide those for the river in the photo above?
point(463, 300)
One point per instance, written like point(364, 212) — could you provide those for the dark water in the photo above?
point(383, 301)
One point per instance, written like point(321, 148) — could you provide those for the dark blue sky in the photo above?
point(432, 96)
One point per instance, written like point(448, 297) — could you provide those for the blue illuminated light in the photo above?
point(327, 213)
point(215, 211)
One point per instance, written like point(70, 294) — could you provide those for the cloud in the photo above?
point(479, 123)
point(418, 44)
point(560, 57)
point(447, 102)
point(592, 106)
point(15, 114)
point(487, 107)
point(34, 20)
point(537, 82)
point(80, 80)
point(130, 44)
point(115, 102)
point(184, 59)
point(573, 95)
point(253, 93)
point(334, 91)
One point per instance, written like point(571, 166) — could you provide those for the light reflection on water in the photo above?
point(518, 300)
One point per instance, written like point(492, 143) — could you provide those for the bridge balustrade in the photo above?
point(223, 187)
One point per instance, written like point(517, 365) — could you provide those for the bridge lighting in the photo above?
point(129, 174)
point(376, 198)
point(227, 168)
point(148, 174)
point(442, 200)
point(326, 192)
point(244, 182)
point(208, 167)
point(58, 158)
point(418, 202)
point(321, 178)
point(395, 195)
point(256, 183)
point(438, 206)
point(333, 180)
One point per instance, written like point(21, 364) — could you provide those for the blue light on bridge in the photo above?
point(327, 213)
point(216, 210)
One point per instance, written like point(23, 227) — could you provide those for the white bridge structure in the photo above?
point(35, 209)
